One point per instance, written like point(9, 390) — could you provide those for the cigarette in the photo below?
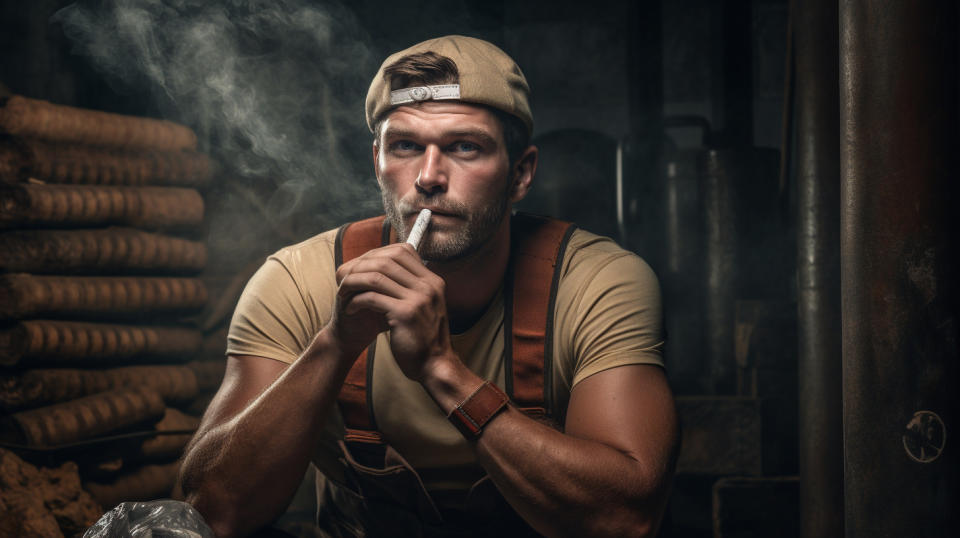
point(416, 234)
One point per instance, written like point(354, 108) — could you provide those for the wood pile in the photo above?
point(103, 358)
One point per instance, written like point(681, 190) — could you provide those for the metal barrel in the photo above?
point(681, 270)
point(738, 207)
point(899, 264)
point(818, 267)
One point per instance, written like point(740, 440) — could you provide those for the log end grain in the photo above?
point(14, 163)
point(13, 344)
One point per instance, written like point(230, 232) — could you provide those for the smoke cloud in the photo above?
point(274, 89)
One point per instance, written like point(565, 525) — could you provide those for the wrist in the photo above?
point(326, 344)
point(449, 381)
point(471, 415)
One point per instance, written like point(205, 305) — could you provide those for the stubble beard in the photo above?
point(480, 224)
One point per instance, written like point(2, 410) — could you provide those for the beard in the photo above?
point(447, 243)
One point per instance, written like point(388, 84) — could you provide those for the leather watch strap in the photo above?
point(472, 414)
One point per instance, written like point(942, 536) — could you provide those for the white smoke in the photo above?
point(274, 89)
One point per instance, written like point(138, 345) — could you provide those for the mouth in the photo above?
point(435, 213)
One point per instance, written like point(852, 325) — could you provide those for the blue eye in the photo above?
point(465, 147)
point(403, 145)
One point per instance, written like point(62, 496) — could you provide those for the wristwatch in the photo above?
point(470, 415)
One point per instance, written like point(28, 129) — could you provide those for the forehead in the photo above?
point(439, 117)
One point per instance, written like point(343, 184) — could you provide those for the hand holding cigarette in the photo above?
point(419, 227)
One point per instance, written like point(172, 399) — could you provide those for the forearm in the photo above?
point(563, 485)
point(560, 484)
point(242, 473)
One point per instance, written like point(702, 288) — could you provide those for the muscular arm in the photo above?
point(608, 474)
point(256, 438)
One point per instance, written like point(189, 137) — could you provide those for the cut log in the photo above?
point(37, 342)
point(36, 388)
point(79, 164)
point(29, 296)
point(32, 118)
point(147, 483)
point(169, 446)
point(151, 208)
point(113, 250)
point(83, 418)
point(209, 373)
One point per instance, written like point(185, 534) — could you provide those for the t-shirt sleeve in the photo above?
point(276, 316)
point(283, 306)
point(615, 316)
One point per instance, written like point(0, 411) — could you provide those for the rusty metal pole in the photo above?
point(899, 267)
point(818, 267)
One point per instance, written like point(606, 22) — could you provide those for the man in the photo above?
point(420, 443)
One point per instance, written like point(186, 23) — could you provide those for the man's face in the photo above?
point(449, 158)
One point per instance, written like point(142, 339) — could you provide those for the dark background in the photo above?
point(603, 74)
point(661, 123)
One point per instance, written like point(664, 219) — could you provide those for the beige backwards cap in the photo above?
point(487, 77)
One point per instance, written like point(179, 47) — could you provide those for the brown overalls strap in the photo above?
point(533, 275)
point(536, 258)
point(356, 404)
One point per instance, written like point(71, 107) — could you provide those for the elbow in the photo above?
point(216, 515)
point(637, 512)
point(624, 522)
point(213, 502)
point(643, 525)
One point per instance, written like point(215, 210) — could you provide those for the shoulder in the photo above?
point(317, 249)
point(592, 260)
point(286, 301)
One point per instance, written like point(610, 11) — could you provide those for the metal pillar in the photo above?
point(899, 266)
point(818, 267)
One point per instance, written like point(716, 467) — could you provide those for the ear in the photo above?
point(376, 161)
point(522, 174)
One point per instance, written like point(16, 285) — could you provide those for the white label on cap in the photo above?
point(424, 93)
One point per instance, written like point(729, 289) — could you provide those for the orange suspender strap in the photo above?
point(356, 405)
point(538, 245)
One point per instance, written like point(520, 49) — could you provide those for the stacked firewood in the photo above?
point(100, 249)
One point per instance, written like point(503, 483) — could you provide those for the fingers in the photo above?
point(389, 260)
point(396, 311)
point(388, 280)
point(372, 301)
point(398, 263)
point(379, 282)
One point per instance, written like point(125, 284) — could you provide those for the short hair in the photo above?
point(429, 69)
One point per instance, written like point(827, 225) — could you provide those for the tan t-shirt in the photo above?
point(608, 314)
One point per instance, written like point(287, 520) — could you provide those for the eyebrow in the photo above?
point(475, 133)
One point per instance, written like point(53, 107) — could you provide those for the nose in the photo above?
point(433, 173)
